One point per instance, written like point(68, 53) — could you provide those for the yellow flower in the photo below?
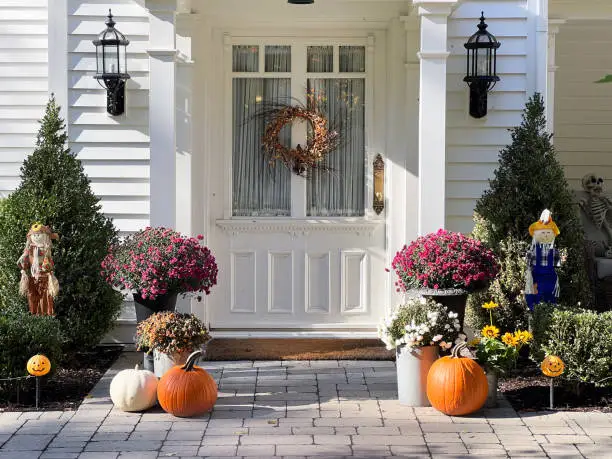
point(474, 342)
point(490, 331)
point(509, 339)
point(490, 305)
point(523, 336)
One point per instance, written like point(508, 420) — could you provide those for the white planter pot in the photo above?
point(413, 364)
point(163, 362)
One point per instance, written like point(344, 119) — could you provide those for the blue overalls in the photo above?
point(544, 279)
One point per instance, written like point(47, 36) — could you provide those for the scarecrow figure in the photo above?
point(38, 282)
point(541, 281)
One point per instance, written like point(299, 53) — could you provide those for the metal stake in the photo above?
point(552, 386)
point(38, 391)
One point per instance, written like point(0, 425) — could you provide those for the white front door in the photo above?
point(293, 252)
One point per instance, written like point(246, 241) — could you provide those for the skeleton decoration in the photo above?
point(541, 281)
point(38, 282)
point(597, 206)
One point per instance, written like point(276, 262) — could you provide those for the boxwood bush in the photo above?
point(582, 338)
point(23, 335)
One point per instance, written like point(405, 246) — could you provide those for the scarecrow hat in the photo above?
point(40, 228)
point(545, 222)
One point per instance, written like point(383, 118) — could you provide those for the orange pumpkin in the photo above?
point(38, 365)
point(187, 390)
point(457, 385)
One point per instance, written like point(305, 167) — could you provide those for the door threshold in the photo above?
point(268, 333)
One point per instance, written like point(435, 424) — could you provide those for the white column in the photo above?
point(553, 30)
point(432, 112)
point(58, 55)
point(162, 122)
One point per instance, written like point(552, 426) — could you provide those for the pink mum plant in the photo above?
point(445, 260)
point(157, 261)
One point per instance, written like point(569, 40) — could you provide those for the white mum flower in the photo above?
point(437, 338)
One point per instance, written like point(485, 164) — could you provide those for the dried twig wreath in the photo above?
point(300, 160)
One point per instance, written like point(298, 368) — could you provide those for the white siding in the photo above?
point(583, 109)
point(114, 150)
point(23, 83)
point(473, 144)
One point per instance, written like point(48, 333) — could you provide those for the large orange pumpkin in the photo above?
point(457, 385)
point(187, 390)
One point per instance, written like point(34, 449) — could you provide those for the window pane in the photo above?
point(110, 59)
point(320, 59)
point(340, 191)
point(245, 58)
point(278, 58)
point(352, 58)
point(258, 188)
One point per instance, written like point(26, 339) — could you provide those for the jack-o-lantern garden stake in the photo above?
point(552, 366)
point(38, 365)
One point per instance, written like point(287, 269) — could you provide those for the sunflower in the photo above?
point(490, 331)
point(474, 342)
point(523, 336)
point(490, 305)
point(509, 339)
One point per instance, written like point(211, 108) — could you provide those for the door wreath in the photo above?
point(321, 140)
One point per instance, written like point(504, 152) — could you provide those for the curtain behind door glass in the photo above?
point(340, 191)
point(258, 188)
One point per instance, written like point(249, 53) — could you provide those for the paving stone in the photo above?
point(4, 437)
point(594, 451)
point(378, 430)
point(537, 429)
point(97, 455)
point(10, 428)
point(148, 435)
point(183, 426)
point(256, 450)
point(110, 436)
point(20, 454)
point(220, 440)
point(307, 430)
point(348, 422)
point(479, 438)
point(437, 437)
point(138, 455)
point(446, 448)
point(185, 435)
point(332, 440)
point(179, 450)
point(27, 443)
point(313, 450)
point(60, 453)
point(276, 440)
point(454, 427)
point(211, 450)
point(569, 439)
point(120, 446)
point(371, 450)
point(388, 440)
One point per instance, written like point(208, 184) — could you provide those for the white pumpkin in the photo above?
point(134, 390)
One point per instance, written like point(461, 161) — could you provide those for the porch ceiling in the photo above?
point(583, 9)
point(322, 12)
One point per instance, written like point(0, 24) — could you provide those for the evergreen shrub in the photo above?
point(528, 180)
point(55, 191)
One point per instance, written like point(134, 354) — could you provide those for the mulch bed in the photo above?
point(296, 349)
point(528, 390)
point(66, 388)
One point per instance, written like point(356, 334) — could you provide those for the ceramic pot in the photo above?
point(148, 361)
point(492, 378)
point(146, 308)
point(163, 362)
point(413, 364)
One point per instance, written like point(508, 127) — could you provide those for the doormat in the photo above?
point(296, 349)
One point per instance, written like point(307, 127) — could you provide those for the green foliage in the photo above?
point(23, 335)
point(55, 191)
point(583, 340)
point(528, 180)
point(495, 355)
point(605, 79)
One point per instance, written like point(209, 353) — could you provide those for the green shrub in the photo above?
point(55, 191)
point(23, 335)
point(582, 339)
point(528, 180)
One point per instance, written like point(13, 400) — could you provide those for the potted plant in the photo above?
point(446, 267)
point(418, 330)
point(497, 354)
point(171, 337)
point(157, 264)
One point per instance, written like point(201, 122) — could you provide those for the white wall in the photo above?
point(114, 150)
point(583, 109)
point(473, 144)
point(23, 83)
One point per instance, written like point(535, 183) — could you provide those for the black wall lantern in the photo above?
point(301, 2)
point(111, 66)
point(481, 68)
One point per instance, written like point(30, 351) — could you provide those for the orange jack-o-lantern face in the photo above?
point(39, 365)
point(552, 366)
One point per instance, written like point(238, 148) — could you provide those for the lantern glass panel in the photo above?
point(482, 62)
point(99, 60)
point(111, 59)
point(122, 59)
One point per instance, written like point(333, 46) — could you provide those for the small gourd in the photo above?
point(187, 390)
point(457, 385)
point(134, 390)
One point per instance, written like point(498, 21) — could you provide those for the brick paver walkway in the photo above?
point(300, 409)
